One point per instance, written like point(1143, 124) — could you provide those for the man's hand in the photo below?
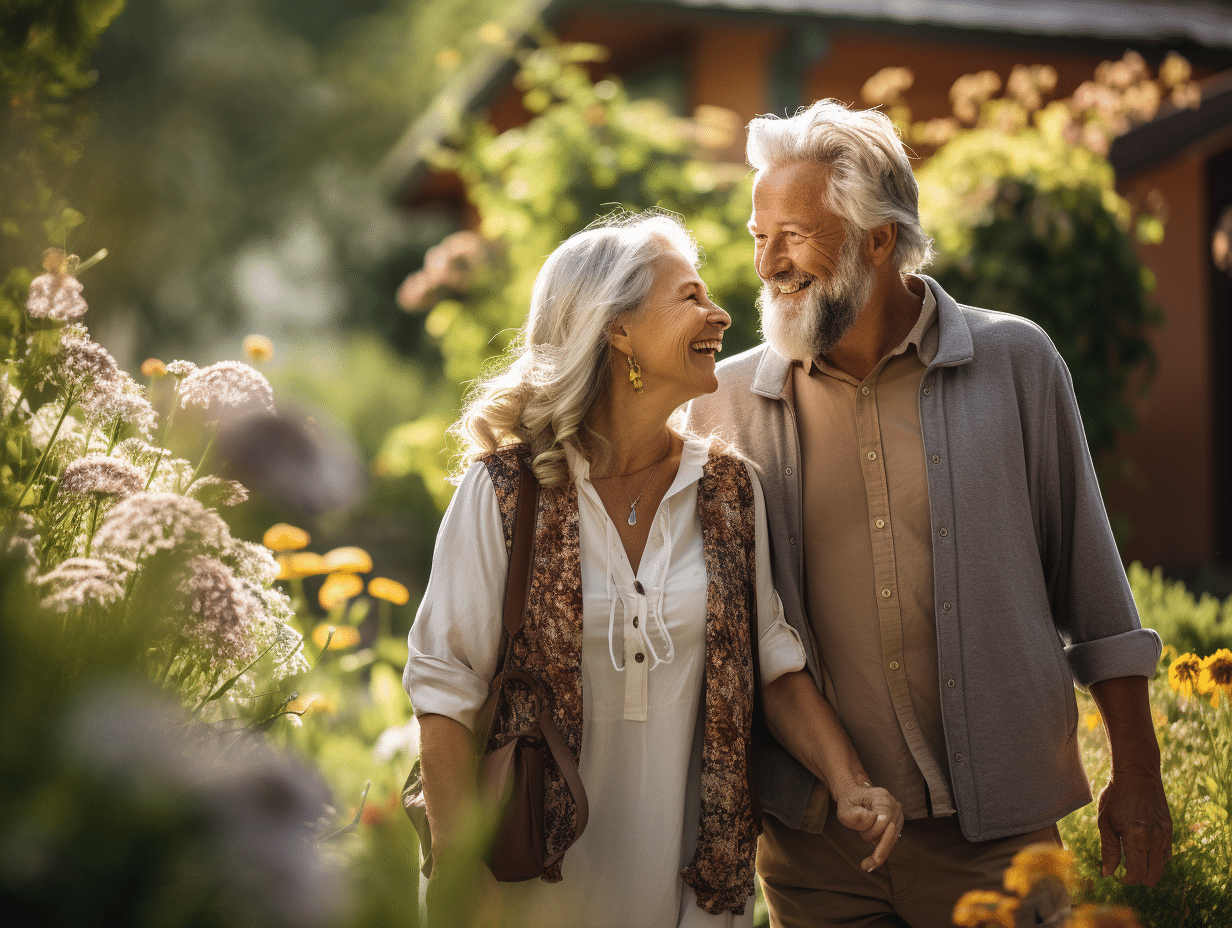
point(1133, 810)
point(1134, 819)
point(876, 815)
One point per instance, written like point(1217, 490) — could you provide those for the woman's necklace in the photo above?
point(633, 502)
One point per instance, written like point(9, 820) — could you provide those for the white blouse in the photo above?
point(641, 734)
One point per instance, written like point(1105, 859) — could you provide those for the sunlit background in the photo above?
point(354, 198)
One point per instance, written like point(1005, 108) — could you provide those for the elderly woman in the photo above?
point(652, 551)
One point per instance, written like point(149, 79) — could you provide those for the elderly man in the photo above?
point(938, 537)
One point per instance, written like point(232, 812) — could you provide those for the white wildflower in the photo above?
point(120, 397)
point(227, 388)
point(181, 369)
point(138, 452)
point(146, 523)
point(82, 581)
point(102, 476)
point(18, 539)
point(56, 297)
point(252, 563)
point(397, 738)
point(215, 491)
point(223, 609)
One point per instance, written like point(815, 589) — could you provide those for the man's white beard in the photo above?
point(826, 313)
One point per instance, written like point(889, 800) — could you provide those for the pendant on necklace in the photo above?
point(633, 514)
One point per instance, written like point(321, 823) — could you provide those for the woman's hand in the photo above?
point(875, 814)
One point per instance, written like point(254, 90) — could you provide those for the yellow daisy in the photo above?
point(389, 590)
point(1216, 675)
point(350, 560)
point(1183, 674)
point(284, 537)
point(338, 588)
point(1036, 861)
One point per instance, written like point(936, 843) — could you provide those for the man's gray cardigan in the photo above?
point(1031, 595)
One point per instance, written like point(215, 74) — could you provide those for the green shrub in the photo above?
point(1200, 626)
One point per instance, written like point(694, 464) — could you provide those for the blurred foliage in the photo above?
point(1187, 623)
point(589, 149)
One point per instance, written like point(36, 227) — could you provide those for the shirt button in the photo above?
point(910, 726)
point(943, 532)
point(958, 757)
point(936, 459)
point(950, 684)
point(894, 665)
point(864, 390)
point(945, 606)
point(787, 472)
point(928, 391)
point(872, 455)
point(639, 657)
point(637, 585)
point(881, 523)
point(635, 621)
point(791, 540)
point(885, 593)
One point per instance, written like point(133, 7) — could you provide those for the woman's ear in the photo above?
point(618, 337)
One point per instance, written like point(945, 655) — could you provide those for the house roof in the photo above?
point(1195, 24)
point(1175, 128)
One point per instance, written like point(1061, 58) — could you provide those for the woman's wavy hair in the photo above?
point(560, 360)
point(871, 182)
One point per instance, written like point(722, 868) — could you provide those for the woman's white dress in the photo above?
point(641, 741)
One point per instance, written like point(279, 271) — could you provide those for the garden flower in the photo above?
point(99, 475)
point(338, 588)
point(981, 907)
point(83, 362)
point(56, 297)
point(81, 581)
point(120, 397)
point(1216, 675)
point(1104, 916)
point(258, 347)
point(146, 523)
point(152, 367)
point(389, 590)
point(349, 560)
point(181, 369)
point(344, 636)
point(1037, 861)
point(284, 537)
point(227, 388)
point(397, 738)
point(223, 609)
point(300, 564)
point(215, 491)
point(1183, 674)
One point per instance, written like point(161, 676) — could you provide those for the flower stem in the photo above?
point(209, 445)
point(162, 445)
point(115, 434)
point(93, 525)
point(68, 403)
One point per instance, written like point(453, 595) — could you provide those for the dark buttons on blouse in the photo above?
point(637, 585)
point(639, 657)
point(635, 621)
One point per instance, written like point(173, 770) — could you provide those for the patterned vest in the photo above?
point(550, 646)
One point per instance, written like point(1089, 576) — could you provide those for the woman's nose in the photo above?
point(718, 316)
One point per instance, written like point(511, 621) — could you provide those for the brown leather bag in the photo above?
point(512, 773)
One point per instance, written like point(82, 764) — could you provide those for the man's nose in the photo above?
point(771, 259)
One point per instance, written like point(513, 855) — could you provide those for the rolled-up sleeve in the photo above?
point(778, 644)
point(1092, 604)
point(454, 643)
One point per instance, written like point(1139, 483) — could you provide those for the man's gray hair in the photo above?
point(871, 182)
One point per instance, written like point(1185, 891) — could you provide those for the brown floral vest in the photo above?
point(550, 646)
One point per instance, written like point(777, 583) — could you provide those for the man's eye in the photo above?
point(794, 237)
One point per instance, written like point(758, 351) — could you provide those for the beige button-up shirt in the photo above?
point(868, 562)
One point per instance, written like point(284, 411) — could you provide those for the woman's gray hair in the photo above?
point(560, 361)
point(871, 182)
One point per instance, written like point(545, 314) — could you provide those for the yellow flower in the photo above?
point(338, 588)
point(314, 702)
point(1183, 673)
point(300, 564)
point(391, 590)
point(258, 348)
point(978, 907)
point(1216, 675)
point(349, 560)
point(283, 537)
point(1103, 916)
point(344, 636)
point(152, 367)
point(1092, 720)
point(1036, 861)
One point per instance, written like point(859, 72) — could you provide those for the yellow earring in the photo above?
point(635, 375)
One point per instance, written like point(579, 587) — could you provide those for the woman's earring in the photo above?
point(635, 375)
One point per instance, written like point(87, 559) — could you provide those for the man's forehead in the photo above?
point(792, 193)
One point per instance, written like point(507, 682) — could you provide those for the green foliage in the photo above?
point(1030, 224)
point(1186, 624)
point(589, 149)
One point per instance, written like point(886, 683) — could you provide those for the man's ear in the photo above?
point(880, 241)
